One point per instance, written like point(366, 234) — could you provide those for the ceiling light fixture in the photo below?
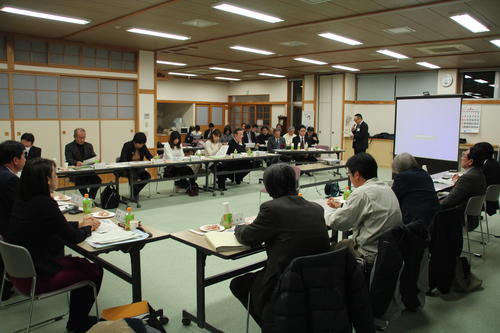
point(470, 23)
point(170, 63)
point(481, 81)
point(252, 50)
point(495, 42)
point(346, 68)
point(157, 34)
point(246, 12)
point(467, 76)
point(427, 64)
point(227, 78)
point(46, 16)
point(339, 38)
point(225, 69)
point(271, 75)
point(392, 54)
point(311, 61)
point(181, 74)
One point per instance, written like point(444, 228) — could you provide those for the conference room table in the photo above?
point(309, 151)
point(132, 248)
point(203, 250)
point(120, 168)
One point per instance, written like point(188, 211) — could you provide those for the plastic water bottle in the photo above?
point(347, 193)
point(128, 217)
point(87, 204)
point(227, 216)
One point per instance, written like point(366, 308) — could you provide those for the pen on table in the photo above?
point(197, 232)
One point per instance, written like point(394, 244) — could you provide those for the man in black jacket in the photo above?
point(209, 131)
point(27, 139)
point(249, 135)
point(360, 134)
point(470, 184)
point(414, 189)
point(491, 169)
point(236, 145)
point(289, 226)
point(76, 152)
point(136, 150)
point(12, 160)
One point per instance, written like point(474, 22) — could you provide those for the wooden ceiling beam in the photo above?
point(328, 20)
point(118, 18)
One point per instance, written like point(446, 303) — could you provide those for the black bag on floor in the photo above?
point(110, 198)
point(332, 189)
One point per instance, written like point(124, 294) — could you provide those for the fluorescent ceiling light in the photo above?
point(170, 63)
point(392, 54)
point(341, 39)
point(469, 23)
point(468, 76)
point(46, 16)
point(481, 81)
point(271, 75)
point(249, 49)
point(225, 69)
point(311, 61)
point(227, 78)
point(428, 65)
point(492, 85)
point(495, 42)
point(346, 68)
point(181, 74)
point(247, 12)
point(157, 34)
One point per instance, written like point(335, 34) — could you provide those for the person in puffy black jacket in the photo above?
point(321, 293)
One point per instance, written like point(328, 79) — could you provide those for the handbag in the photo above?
point(110, 198)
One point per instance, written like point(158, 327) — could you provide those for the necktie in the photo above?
point(301, 142)
point(26, 154)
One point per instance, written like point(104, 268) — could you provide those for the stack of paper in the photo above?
point(224, 241)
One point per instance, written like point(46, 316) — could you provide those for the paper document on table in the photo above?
point(90, 161)
point(224, 241)
point(222, 151)
point(109, 233)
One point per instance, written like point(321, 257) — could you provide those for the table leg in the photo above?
point(135, 263)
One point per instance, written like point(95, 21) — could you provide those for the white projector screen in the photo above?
point(428, 127)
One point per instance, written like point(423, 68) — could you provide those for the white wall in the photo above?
point(308, 87)
point(276, 89)
point(192, 90)
point(488, 131)
point(167, 112)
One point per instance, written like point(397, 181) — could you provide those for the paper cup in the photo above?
point(134, 224)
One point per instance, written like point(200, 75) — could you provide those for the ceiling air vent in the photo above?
point(293, 43)
point(400, 30)
point(200, 71)
point(315, 2)
point(445, 49)
point(200, 23)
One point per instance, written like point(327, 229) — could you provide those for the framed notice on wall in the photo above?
point(471, 118)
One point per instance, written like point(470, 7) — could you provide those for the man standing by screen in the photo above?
point(360, 134)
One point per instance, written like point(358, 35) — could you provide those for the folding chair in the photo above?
point(18, 264)
point(492, 193)
point(473, 209)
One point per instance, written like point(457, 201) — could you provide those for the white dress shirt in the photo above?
point(370, 210)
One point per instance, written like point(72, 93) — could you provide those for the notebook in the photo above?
point(224, 241)
point(222, 151)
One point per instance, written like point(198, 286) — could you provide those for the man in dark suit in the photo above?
point(263, 136)
point(312, 137)
point(236, 145)
point(360, 134)
point(249, 136)
point(414, 189)
point(276, 141)
point(27, 139)
point(12, 160)
point(471, 183)
point(289, 226)
point(209, 131)
point(76, 152)
point(301, 142)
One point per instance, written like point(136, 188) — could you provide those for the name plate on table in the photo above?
point(77, 200)
point(99, 165)
point(120, 215)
